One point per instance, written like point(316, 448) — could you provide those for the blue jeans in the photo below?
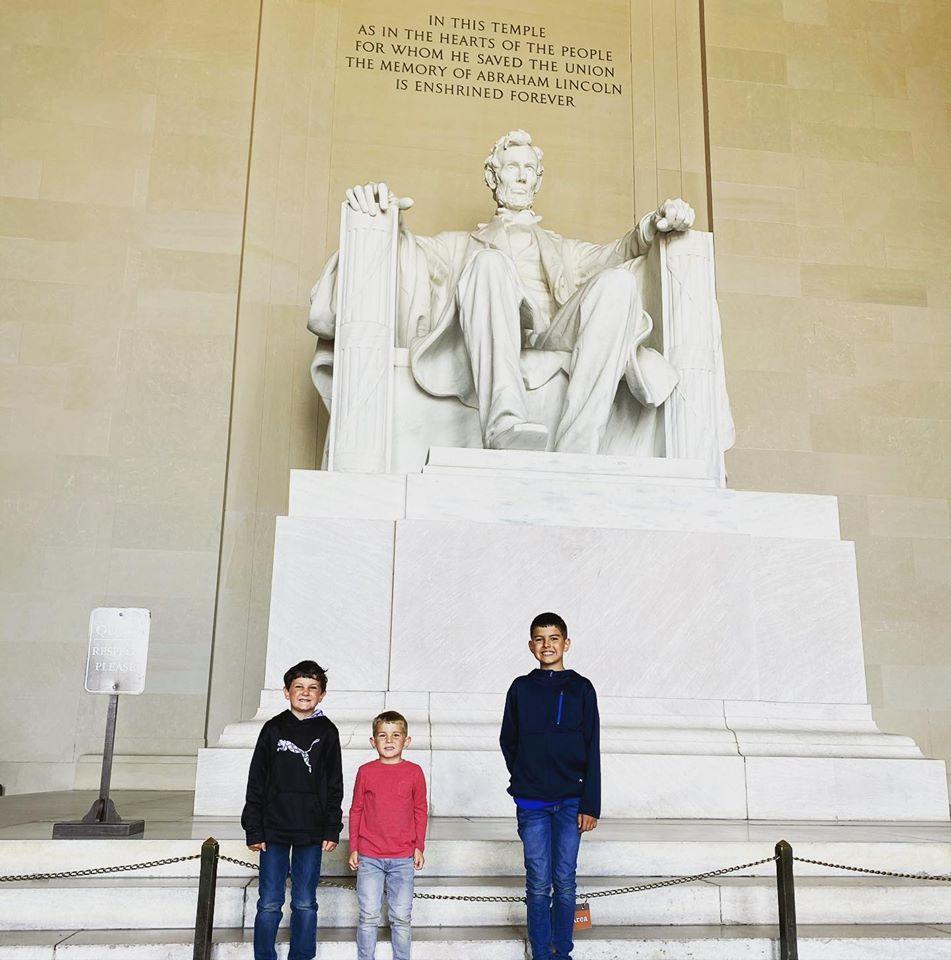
point(304, 867)
point(396, 876)
point(551, 840)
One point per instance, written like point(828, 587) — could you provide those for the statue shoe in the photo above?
point(521, 436)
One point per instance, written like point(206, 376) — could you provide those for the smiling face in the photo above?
point(518, 178)
point(548, 646)
point(389, 740)
point(304, 694)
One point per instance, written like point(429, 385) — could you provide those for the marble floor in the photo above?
point(168, 815)
point(713, 942)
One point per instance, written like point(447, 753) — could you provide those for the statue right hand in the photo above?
point(374, 198)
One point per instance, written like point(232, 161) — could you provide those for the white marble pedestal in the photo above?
point(721, 629)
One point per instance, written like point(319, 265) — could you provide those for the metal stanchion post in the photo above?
point(102, 819)
point(785, 886)
point(205, 910)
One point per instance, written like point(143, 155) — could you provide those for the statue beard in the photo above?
point(504, 197)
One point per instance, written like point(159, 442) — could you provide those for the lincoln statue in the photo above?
point(492, 313)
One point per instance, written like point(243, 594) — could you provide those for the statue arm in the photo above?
point(438, 254)
point(670, 216)
point(583, 259)
point(422, 268)
point(591, 258)
point(436, 261)
point(641, 237)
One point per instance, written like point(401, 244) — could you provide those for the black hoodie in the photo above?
point(295, 782)
point(551, 738)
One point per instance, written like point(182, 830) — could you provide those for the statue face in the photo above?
point(518, 178)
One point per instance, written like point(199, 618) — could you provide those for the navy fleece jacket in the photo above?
point(551, 738)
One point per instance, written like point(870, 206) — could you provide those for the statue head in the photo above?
point(513, 170)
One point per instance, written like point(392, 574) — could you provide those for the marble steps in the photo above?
point(871, 942)
point(144, 903)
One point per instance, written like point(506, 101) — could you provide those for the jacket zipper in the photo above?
point(561, 700)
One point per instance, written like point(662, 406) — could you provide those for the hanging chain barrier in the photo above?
point(923, 875)
point(98, 871)
point(346, 884)
point(617, 891)
point(349, 884)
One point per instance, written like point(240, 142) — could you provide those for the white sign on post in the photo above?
point(118, 650)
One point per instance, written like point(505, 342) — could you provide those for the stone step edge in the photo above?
point(910, 942)
point(170, 936)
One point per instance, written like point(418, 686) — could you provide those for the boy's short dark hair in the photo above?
point(309, 669)
point(390, 716)
point(549, 619)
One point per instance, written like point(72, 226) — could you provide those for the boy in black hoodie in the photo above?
point(292, 812)
point(551, 742)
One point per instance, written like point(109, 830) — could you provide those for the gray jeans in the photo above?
point(395, 877)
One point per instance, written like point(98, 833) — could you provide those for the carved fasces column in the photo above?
point(362, 399)
point(689, 335)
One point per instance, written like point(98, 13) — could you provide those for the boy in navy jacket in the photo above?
point(551, 742)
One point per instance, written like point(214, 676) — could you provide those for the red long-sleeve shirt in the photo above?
point(388, 813)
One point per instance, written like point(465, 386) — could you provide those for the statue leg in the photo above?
point(608, 308)
point(489, 297)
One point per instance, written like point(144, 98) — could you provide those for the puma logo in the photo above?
point(293, 748)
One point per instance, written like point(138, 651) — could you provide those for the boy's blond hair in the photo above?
point(390, 716)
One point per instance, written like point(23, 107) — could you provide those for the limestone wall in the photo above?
point(169, 180)
point(831, 160)
point(123, 162)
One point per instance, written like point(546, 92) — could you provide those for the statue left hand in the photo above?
point(673, 215)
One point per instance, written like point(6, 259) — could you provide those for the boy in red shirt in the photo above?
point(387, 836)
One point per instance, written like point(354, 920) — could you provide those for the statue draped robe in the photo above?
point(429, 270)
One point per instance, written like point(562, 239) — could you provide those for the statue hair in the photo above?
point(493, 162)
